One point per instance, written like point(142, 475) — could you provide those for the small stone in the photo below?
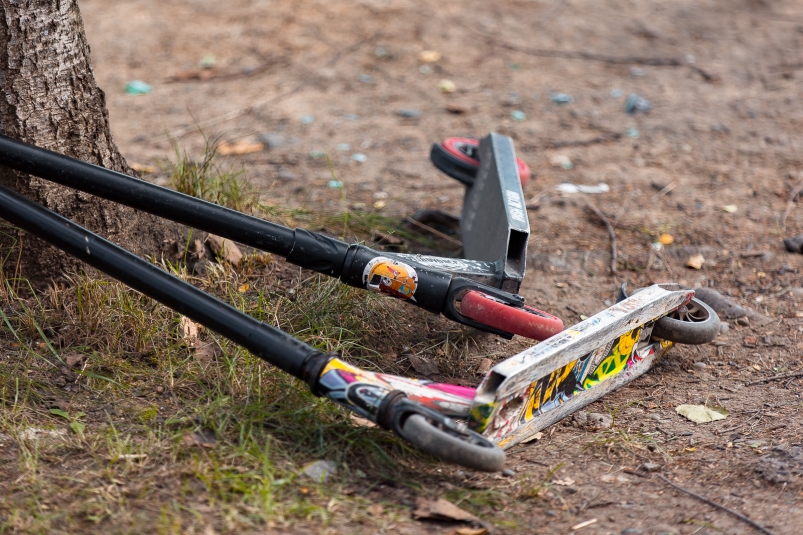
point(508, 473)
point(408, 113)
point(560, 98)
point(600, 420)
point(425, 69)
point(743, 321)
point(319, 471)
point(137, 87)
point(651, 467)
point(632, 132)
point(518, 115)
point(359, 157)
point(700, 365)
point(724, 328)
point(344, 146)
point(551, 513)
point(365, 78)
point(307, 119)
point(637, 104)
point(447, 86)
point(460, 474)
point(656, 417)
point(429, 56)
point(631, 531)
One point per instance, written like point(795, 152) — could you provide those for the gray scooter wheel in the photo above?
point(468, 449)
point(695, 323)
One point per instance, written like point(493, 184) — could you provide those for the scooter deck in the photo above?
point(544, 383)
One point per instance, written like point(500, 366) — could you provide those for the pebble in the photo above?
point(409, 113)
point(743, 321)
point(636, 71)
point(425, 69)
point(307, 119)
point(359, 157)
point(508, 473)
point(460, 474)
point(636, 104)
point(561, 98)
point(551, 513)
point(344, 146)
point(700, 365)
point(601, 420)
point(137, 87)
point(632, 132)
point(365, 78)
point(352, 117)
point(631, 531)
point(319, 471)
point(655, 417)
point(335, 184)
point(651, 467)
point(518, 115)
point(724, 328)
point(616, 93)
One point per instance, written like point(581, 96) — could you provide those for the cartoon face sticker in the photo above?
point(391, 277)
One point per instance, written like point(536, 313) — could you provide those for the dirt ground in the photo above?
point(723, 77)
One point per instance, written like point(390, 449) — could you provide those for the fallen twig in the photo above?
point(205, 75)
point(601, 58)
point(790, 204)
point(611, 233)
point(434, 231)
point(719, 506)
point(607, 137)
point(775, 378)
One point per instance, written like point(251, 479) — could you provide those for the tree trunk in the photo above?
point(50, 98)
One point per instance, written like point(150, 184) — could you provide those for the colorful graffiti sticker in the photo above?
point(616, 361)
point(391, 277)
point(562, 384)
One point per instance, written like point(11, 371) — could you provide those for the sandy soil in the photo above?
point(723, 131)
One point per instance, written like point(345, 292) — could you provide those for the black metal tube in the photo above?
point(142, 195)
point(264, 341)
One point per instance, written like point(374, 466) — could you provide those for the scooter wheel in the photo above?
point(524, 321)
point(458, 158)
point(694, 324)
point(468, 449)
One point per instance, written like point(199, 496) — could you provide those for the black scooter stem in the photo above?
point(266, 342)
point(142, 195)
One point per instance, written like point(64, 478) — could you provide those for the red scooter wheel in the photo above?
point(524, 321)
point(465, 150)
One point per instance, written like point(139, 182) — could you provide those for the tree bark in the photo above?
point(50, 98)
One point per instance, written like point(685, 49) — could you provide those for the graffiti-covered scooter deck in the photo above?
point(543, 384)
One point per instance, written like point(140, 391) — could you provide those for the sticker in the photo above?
point(391, 277)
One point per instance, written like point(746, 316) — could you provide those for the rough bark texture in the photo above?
point(49, 97)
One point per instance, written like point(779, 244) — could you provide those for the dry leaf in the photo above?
point(244, 288)
point(537, 436)
point(695, 262)
point(202, 439)
point(701, 414)
point(241, 146)
point(429, 56)
point(564, 482)
point(206, 351)
point(469, 531)
point(189, 331)
point(225, 249)
point(142, 168)
point(74, 359)
point(666, 239)
point(360, 422)
point(442, 510)
point(485, 366)
point(730, 208)
point(423, 366)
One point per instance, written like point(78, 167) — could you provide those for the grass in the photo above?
point(109, 444)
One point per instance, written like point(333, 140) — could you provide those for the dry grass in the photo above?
point(108, 444)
